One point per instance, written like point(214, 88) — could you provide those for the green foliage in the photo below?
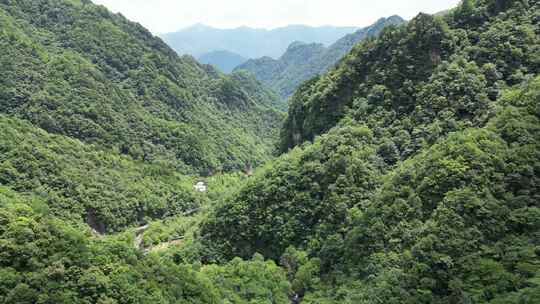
point(303, 197)
point(400, 58)
point(303, 61)
point(423, 186)
point(80, 182)
point(386, 79)
point(255, 281)
point(421, 181)
point(302, 272)
point(221, 186)
point(75, 69)
point(444, 216)
point(45, 260)
point(167, 231)
point(457, 222)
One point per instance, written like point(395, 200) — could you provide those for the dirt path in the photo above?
point(165, 245)
point(139, 232)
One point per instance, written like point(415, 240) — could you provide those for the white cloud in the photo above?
point(170, 15)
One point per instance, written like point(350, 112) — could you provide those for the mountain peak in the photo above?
point(302, 60)
point(396, 18)
point(390, 19)
point(296, 44)
point(250, 42)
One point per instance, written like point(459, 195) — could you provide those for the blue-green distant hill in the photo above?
point(303, 61)
point(248, 42)
point(224, 60)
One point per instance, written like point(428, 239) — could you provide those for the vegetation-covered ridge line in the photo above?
point(73, 68)
point(410, 173)
point(387, 77)
point(83, 183)
point(302, 61)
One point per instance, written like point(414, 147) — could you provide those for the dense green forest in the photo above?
point(409, 173)
point(432, 76)
point(73, 68)
point(302, 61)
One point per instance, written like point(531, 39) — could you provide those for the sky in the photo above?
point(162, 16)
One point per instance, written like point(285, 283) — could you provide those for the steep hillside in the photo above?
point(304, 61)
point(250, 42)
point(225, 61)
point(254, 90)
point(99, 123)
point(410, 172)
point(421, 182)
point(81, 183)
point(45, 260)
point(393, 83)
point(75, 69)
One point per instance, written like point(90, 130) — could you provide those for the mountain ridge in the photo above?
point(224, 60)
point(302, 61)
point(407, 173)
point(136, 96)
point(249, 42)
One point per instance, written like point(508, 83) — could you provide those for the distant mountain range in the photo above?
point(303, 61)
point(224, 60)
point(200, 39)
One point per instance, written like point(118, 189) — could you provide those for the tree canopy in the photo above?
point(409, 173)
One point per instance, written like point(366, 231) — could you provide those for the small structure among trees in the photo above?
point(201, 186)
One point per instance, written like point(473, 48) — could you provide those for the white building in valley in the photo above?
point(201, 187)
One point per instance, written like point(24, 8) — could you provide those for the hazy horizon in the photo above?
point(163, 16)
point(264, 28)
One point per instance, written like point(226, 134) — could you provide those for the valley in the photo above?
point(396, 163)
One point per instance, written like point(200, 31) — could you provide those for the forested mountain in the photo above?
point(250, 42)
point(225, 61)
point(99, 124)
point(81, 183)
point(303, 61)
point(73, 68)
point(409, 173)
point(46, 260)
point(403, 77)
